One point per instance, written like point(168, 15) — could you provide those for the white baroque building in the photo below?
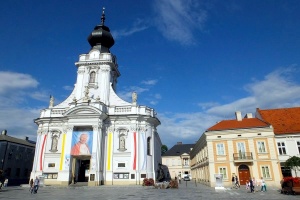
point(94, 136)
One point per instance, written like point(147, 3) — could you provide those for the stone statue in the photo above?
point(134, 97)
point(160, 177)
point(51, 103)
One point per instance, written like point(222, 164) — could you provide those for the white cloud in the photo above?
point(126, 94)
point(137, 26)
point(208, 105)
point(179, 19)
point(150, 82)
point(11, 81)
point(276, 90)
point(184, 127)
point(19, 122)
point(68, 87)
point(17, 119)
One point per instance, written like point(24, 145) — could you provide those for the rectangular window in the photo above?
point(121, 175)
point(298, 144)
point(121, 164)
point(143, 175)
point(51, 164)
point(265, 171)
point(185, 162)
point(220, 149)
point(132, 176)
point(281, 148)
point(50, 175)
point(222, 170)
point(261, 147)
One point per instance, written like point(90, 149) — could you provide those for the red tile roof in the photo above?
point(283, 120)
point(235, 124)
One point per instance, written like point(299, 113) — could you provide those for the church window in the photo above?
point(148, 146)
point(92, 77)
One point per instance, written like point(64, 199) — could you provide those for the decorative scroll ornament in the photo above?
point(143, 128)
point(133, 127)
point(70, 128)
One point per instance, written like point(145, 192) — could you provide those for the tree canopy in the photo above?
point(293, 162)
point(164, 149)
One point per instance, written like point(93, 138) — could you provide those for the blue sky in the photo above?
point(195, 62)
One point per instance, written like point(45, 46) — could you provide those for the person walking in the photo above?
point(36, 184)
point(237, 184)
point(233, 181)
point(254, 184)
point(31, 185)
point(251, 185)
point(263, 185)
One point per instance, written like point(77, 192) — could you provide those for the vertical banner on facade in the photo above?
point(109, 151)
point(67, 162)
point(93, 161)
point(82, 142)
point(42, 152)
point(36, 154)
point(62, 152)
point(134, 150)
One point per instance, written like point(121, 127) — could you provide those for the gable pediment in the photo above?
point(84, 111)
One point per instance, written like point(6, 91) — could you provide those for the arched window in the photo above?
point(148, 146)
point(92, 77)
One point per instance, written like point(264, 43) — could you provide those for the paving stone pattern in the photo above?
point(186, 190)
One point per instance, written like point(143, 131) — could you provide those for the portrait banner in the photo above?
point(82, 142)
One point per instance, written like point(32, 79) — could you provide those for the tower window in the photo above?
point(148, 146)
point(92, 77)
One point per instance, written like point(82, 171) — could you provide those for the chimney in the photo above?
point(26, 138)
point(179, 143)
point(238, 115)
point(4, 132)
point(248, 115)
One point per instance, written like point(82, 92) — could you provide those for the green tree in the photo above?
point(293, 163)
point(164, 149)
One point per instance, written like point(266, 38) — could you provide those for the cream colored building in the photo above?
point(244, 147)
point(178, 160)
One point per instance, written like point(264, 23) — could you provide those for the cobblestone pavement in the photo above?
point(186, 191)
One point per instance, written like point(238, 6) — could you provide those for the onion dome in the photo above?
point(101, 38)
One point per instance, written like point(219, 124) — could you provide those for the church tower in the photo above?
point(94, 136)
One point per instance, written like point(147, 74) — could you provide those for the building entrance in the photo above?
point(81, 169)
point(244, 174)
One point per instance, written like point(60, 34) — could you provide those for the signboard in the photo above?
point(219, 180)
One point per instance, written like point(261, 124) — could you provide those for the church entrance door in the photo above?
point(83, 172)
point(81, 168)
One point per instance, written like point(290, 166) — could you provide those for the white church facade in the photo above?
point(94, 136)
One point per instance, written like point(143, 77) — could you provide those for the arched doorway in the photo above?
point(244, 174)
